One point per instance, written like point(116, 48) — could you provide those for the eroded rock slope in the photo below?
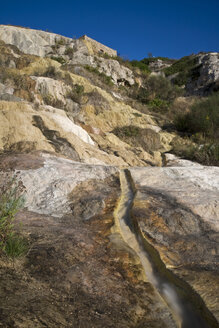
point(58, 136)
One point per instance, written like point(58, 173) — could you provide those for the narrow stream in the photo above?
point(186, 305)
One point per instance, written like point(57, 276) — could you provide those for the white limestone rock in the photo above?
point(208, 71)
point(67, 125)
point(43, 44)
point(196, 187)
point(48, 187)
point(34, 42)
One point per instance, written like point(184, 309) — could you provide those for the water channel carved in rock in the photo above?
point(187, 307)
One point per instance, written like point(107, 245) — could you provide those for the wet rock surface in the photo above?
point(177, 209)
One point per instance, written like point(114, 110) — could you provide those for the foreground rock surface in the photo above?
point(178, 212)
point(73, 276)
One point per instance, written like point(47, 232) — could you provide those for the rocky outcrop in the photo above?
point(67, 50)
point(97, 47)
point(49, 188)
point(34, 42)
point(24, 128)
point(53, 118)
point(207, 78)
point(158, 65)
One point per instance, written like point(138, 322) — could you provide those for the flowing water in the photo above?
point(187, 307)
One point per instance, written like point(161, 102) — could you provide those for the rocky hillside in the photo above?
point(70, 107)
point(199, 74)
point(119, 232)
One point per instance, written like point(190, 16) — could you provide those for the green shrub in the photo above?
point(11, 201)
point(158, 104)
point(50, 72)
point(206, 154)
point(127, 131)
point(201, 126)
point(137, 114)
point(142, 95)
point(149, 60)
point(60, 42)
point(162, 88)
point(139, 64)
point(157, 90)
point(104, 78)
point(186, 68)
point(105, 55)
point(92, 69)
point(76, 93)
point(203, 118)
point(60, 60)
point(69, 52)
point(54, 102)
point(132, 64)
point(16, 246)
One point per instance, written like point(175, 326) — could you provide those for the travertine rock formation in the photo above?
point(74, 51)
point(69, 141)
point(73, 275)
point(30, 41)
point(68, 220)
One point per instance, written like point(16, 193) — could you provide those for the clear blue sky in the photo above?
point(135, 28)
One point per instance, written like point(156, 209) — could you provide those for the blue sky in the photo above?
point(135, 28)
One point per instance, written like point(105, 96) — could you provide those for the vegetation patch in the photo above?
point(11, 201)
point(157, 92)
point(99, 103)
point(69, 52)
point(203, 118)
point(137, 114)
point(54, 102)
point(23, 85)
point(127, 131)
point(186, 69)
point(149, 60)
point(59, 59)
point(143, 67)
point(206, 154)
point(201, 126)
point(140, 65)
point(148, 139)
point(158, 104)
point(76, 93)
point(104, 78)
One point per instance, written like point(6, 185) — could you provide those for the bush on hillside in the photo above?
point(206, 154)
point(104, 78)
point(185, 69)
point(162, 88)
point(157, 92)
point(149, 60)
point(11, 201)
point(76, 93)
point(203, 118)
point(127, 131)
point(59, 59)
point(69, 51)
point(140, 65)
